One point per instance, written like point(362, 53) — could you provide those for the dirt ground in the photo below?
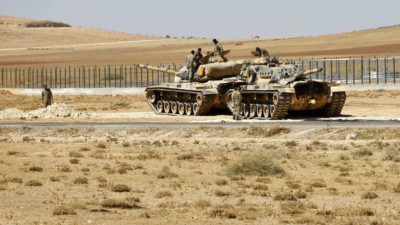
point(199, 175)
point(359, 104)
point(62, 47)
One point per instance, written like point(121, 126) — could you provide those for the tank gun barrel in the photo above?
point(165, 70)
point(308, 72)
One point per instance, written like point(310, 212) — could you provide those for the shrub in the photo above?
point(63, 210)
point(166, 173)
point(122, 204)
point(163, 194)
point(257, 164)
point(221, 182)
point(369, 195)
point(221, 193)
point(75, 154)
point(35, 169)
point(33, 183)
point(81, 180)
point(202, 204)
point(397, 188)
point(65, 169)
point(293, 207)
point(74, 161)
point(223, 211)
point(285, 197)
point(120, 188)
point(84, 149)
point(101, 145)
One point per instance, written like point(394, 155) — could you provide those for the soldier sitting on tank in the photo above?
point(237, 103)
point(198, 58)
point(218, 52)
point(262, 53)
point(190, 65)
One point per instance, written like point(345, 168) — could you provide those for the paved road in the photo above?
point(287, 123)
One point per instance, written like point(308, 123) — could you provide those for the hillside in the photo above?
point(129, 49)
point(23, 33)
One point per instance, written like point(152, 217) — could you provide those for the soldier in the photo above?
point(47, 96)
point(190, 65)
point(218, 50)
point(237, 103)
point(198, 57)
point(260, 52)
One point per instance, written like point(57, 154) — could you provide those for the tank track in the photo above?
point(190, 108)
point(335, 107)
point(267, 111)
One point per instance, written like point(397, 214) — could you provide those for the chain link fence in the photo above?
point(343, 70)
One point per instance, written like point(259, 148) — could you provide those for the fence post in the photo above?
point(394, 70)
point(147, 78)
point(126, 75)
point(141, 77)
point(347, 72)
point(105, 76)
point(136, 75)
point(130, 76)
point(377, 70)
point(69, 76)
point(331, 69)
point(89, 77)
point(84, 76)
point(324, 65)
point(362, 69)
point(354, 71)
point(385, 69)
point(2, 78)
point(74, 77)
point(94, 76)
point(120, 76)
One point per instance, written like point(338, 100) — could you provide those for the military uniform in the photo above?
point(237, 103)
point(198, 57)
point(47, 97)
point(190, 66)
point(219, 52)
point(262, 53)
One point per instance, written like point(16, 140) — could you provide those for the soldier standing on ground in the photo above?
point(190, 65)
point(47, 96)
point(218, 50)
point(198, 57)
point(237, 103)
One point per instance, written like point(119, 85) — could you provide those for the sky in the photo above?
point(223, 19)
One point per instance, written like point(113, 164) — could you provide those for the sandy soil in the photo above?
point(150, 175)
point(359, 104)
point(367, 43)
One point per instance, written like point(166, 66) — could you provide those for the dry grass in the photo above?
point(120, 188)
point(81, 180)
point(259, 164)
point(166, 173)
point(317, 187)
point(63, 210)
point(163, 194)
point(122, 204)
point(36, 169)
point(33, 183)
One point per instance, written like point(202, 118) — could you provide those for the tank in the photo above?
point(273, 89)
point(212, 82)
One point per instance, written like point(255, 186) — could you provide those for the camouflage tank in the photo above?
point(194, 98)
point(273, 89)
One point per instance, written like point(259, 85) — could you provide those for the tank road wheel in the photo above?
point(266, 111)
point(228, 99)
point(174, 107)
point(272, 110)
point(259, 110)
point(246, 110)
point(189, 109)
point(167, 106)
point(160, 106)
point(253, 110)
point(196, 108)
point(199, 99)
point(275, 98)
point(151, 96)
point(181, 108)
